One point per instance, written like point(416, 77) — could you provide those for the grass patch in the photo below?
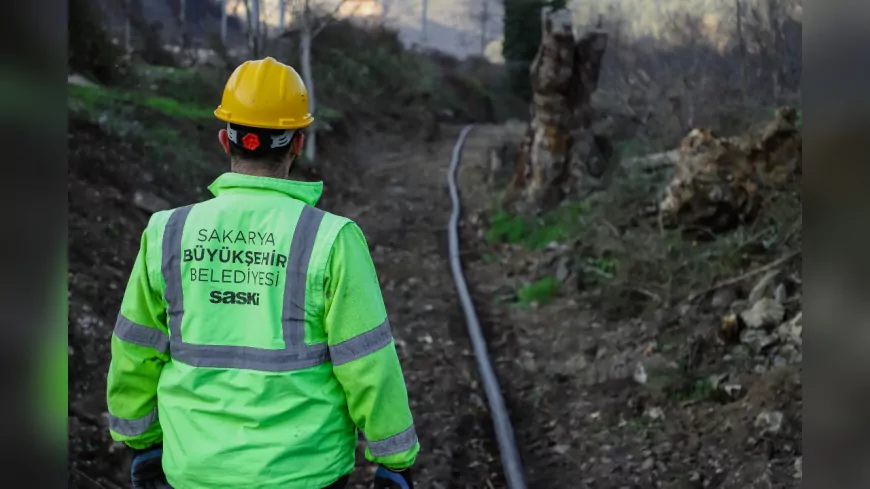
point(700, 390)
point(541, 291)
point(163, 130)
point(536, 233)
point(95, 99)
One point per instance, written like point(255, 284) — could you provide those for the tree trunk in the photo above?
point(741, 39)
point(224, 21)
point(424, 24)
point(252, 10)
point(484, 20)
point(559, 147)
point(308, 79)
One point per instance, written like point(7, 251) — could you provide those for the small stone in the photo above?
point(769, 421)
point(561, 449)
point(792, 331)
point(529, 364)
point(654, 413)
point(648, 464)
point(757, 339)
point(764, 313)
point(780, 294)
point(733, 391)
point(799, 468)
point(684, 309)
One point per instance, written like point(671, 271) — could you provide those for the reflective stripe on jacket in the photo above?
point(253, 341)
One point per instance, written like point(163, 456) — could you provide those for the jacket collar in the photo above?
point(229, 183)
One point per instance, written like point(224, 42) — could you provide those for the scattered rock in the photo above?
point(766, 312)
point(654, 413)
point(528, 362)
point(792, 331)
point(149, 202)
point(769, 422)
point(658, 373)
point(648, 464)
point(757, 339)
point(799, 468)
point(561, 449)
point(780, 294)
point(733, 391)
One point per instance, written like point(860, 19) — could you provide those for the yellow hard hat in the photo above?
point(267, 94)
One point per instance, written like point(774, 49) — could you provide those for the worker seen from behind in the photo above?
point(253, 342)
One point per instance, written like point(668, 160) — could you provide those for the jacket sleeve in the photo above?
point(140, 343)
point(364, 355)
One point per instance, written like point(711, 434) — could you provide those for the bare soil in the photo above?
point(567, 367)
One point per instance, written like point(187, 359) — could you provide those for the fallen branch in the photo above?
point(745, 276)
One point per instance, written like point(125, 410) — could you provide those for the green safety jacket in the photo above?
point(253, 341)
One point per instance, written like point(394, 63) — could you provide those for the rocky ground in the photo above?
point(627, 390)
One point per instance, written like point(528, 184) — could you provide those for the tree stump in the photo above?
point(559, 148)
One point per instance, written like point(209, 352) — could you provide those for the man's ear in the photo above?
point(224, 140)
point(298, 143)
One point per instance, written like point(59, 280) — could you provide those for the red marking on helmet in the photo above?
point(251, 141)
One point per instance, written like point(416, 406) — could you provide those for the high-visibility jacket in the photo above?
point(253, 341)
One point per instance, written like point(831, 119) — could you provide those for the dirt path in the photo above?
point(403, 207)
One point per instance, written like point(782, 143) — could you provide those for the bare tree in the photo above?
point(224, 21)
point(741, 40)
point(254, 26)
point(484, 21)
point(424, 24)
point(310, 22)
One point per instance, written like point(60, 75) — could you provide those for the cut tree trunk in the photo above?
point(308, 79)
point(559, 147)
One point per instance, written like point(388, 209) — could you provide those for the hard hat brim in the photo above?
point(288, 123)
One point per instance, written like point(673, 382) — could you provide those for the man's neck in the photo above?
point(258, 170)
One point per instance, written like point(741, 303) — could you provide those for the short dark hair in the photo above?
point(256, 144)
